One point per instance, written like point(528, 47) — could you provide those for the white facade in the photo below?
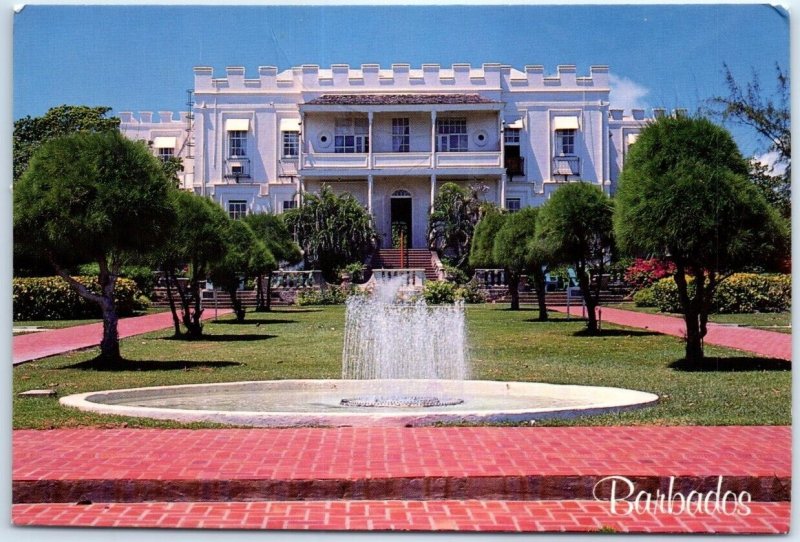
point(392, 136)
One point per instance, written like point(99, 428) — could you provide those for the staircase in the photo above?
point(414, 258)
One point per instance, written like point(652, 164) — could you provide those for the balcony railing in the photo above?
point(515, 165)
point(402, 160)
point(335, 160)
point(237, 168)
point(467, 159)
point(566, 166)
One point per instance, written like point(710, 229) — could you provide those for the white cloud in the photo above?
point(627, 94)
point(770, 159)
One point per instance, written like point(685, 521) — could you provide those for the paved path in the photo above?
point(456, 478)
point(765, 343)
point(31, 346)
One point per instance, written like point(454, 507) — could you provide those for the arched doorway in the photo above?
point(401, 218)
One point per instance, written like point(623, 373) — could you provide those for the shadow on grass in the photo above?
point(245, 337)
point(288, 311)
point(615, 333)
point(255, 322)
point(552, 319)
point(95, 364)
point(732, 365)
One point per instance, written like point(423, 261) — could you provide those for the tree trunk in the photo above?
point(513, 289)
point(540, 287)
point(109, 346)
point(589, 300)
point(269, 292)
point(259, 293)
point(236, 303)
point(176, 322)
point(691, 315)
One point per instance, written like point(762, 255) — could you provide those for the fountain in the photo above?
point(403, 363)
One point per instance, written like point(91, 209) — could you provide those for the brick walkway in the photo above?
point(764, 343)
point(473, 478)
point(31, 346)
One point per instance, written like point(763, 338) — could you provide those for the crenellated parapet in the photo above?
point(620, 115)
point(372, 77)
point(161, 118)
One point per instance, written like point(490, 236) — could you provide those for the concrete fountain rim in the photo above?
point(612, 400)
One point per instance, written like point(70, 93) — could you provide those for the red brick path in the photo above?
point(764, 343)
point(42, 344)
point(470, 515)
point(393, 478)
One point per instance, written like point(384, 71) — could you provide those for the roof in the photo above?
point(399, 99)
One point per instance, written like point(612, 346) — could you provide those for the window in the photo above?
point(291, 144)
point(512, 205)
point(237, 143)
point(451, 135)
point(237, 209)
point(289, 204)
point(165, 153)
point(352, 136)
point(401, 135)
point(565, 142)
point(512, 136)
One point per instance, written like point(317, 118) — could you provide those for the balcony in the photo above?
point(467, 159)
point(388, 160)
point(566, 166)
point(324, 160)
point(515, 166)
point(237, 168)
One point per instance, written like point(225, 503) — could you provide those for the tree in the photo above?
point(272, 230)
point(197, 242)
point(684, 196)
point(770, 117)
point(575, 225)
point(451, 225)
point(482, 246)
point(511, 251)
point(245, 256)
point(95, 197)
point(333, 231)
point(32, 132)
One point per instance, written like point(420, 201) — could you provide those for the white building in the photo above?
point(392, 136)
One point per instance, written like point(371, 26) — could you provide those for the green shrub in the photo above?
point(51, 298)
point(645, 298)
point(438, 292)
point(470, 293)
point(739, 293)
point(332, 295)
point(356, 272)
point(142, 275)
point(454, 274)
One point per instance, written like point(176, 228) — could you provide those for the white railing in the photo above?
point(413, 276)
point(335, 160)
point(401, 160)
point(468, 159)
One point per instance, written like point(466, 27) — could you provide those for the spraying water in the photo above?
point(391, 337)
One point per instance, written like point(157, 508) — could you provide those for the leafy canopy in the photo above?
point(31, 132)
point(90, 196)
point(511, 243)
point(451, 225)
point(481, 250)
point(273, 231)
point(333, 230)
point(684, 195)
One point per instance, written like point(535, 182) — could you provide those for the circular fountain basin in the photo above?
point(294, 403)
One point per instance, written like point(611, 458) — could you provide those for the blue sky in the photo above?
point(141, 57)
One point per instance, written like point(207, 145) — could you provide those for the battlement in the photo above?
point(162, 118)
point(619, 115)
point(371, 77)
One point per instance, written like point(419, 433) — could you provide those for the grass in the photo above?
point(59, 324)
point(504, 345)
point(770, 321)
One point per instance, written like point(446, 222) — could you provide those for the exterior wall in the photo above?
point(270, 99)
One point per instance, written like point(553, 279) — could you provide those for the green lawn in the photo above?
point(58, 324)
point(504, 345)
point(771, 321)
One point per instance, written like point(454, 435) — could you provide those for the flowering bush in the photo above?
point(439, 292)
point(51, 298)
point(643, 272)
point(739, 293)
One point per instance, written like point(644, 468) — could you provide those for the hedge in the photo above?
point(739, 293)
point(52, 298)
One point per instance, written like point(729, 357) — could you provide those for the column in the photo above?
point(433, 191)
point(502, 191)
point(369, 194)
point(369, 150)
point(433, 139)
point(302, 142)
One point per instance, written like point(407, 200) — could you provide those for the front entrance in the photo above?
point(401, 218)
